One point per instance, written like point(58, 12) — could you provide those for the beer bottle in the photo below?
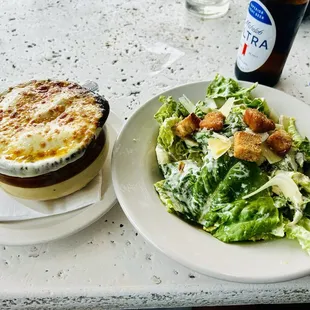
point(269, 32)
point(307, 13)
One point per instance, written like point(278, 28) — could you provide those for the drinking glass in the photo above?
point(208, 8)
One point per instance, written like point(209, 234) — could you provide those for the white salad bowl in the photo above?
point(135, 170)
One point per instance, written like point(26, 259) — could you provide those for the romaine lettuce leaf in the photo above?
point(201, 137)
point(299, 143)
point(283, 184)
point(171, 144)
point(300, 232)
point(257, 103)
point(196, 156)
point(230, 218)
point(222, 87)
point(204, 107)
point(281, 202)
point(292, 130)
point(225, 88)
point(284, 122)
point(241, 179)
point(214, 170)
point(307, 210)
point(302, 181)
point(232, 180)
point(248, 220)
point(195, 151)
point(279, 231)
point(166, 198)
point(178, 150)
point(184, 186)
point(288, 163)
point(166, 136)
point(211, 196)
point(169, 108)
point(234, 122)
point(189, 185)
point(162, 155)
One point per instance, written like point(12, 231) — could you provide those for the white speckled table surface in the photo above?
point(133, 50)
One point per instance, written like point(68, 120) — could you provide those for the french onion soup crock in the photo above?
point(52, 140)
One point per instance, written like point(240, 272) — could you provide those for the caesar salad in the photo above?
point(234, 167)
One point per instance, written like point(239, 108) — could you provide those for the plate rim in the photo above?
point(78, 216)
point(165, 249)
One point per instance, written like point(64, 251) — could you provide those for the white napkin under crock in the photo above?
point(14, 209)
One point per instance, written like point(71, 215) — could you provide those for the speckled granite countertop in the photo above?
point(133, 49)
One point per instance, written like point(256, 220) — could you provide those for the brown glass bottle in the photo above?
point(277, 34)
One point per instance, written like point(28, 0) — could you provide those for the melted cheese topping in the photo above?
point(45, 125)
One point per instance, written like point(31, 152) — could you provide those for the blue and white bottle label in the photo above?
point(258, 38)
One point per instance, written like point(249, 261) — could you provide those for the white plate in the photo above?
point(60, 226)
point(135, 170)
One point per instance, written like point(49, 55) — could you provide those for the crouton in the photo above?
point(280, 142)
point(247, 146)
point(181, 166)
point(257, 121)
point(187, 126)
point(213, 120)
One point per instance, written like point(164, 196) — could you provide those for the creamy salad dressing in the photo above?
point(176, 176)
point(233, 199)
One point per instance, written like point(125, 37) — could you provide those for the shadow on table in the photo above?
point(252, 307)
point(259, 307)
